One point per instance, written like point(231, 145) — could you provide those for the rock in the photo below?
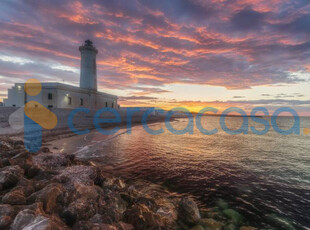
point(18, 144)
point(197, 227)
point(29, 220)
point(141, 217)
point(22, 159)
point(188, 211)
point(43, 223)
point(210, 224)
point(45, 150)
point(114, 183)
point(6, 162)
point(96, 219)
point(48, 196)
point(81, 209)
point(247, 228)
point(123, 226)
point(222, 204)
point(83, 225)
point(9, 176)
point(234, 216)
point(15, 197)
point(78, 174)
point(230, 227)
point(22, 219)
point(104, 227)
point(5, 222)
point(113, 206)
point(33, 171)
point(7, 210)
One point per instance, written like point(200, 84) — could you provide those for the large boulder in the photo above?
point(112, 206)
point(22, 219)
point(15, 197)
point(30, 220)
point(9, 176)
point(141, 217)
point(81, 209)
point(43, 223)
point(234, 216)
point(188, 211)
point(49, 196)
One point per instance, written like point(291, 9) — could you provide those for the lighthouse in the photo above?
point(88, 75)
point(59, 95)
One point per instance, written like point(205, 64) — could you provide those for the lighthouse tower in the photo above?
point(88, 76)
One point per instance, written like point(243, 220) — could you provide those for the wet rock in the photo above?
point(45, 150)
point(210, 224)
point(18, 144)
point(22, 219)
point(104, 227)
point(6, 162)
point(48, 196)
point(78, 174)
point(81, 209)
point(113, 207)
point(114, 183)
point(124, 226)
point(83, 225)
point(188, 211)
point(15, 197)
point(5, 146)
point(247, 228)
point(222, 204)
point(234, 216)
point(43, 223)
point(141, 217)
point(96, 219)
point(9, 176)
point(33, 171)
point(7, 210)
point(230, 227)
point(197, 227)
point(5, 222)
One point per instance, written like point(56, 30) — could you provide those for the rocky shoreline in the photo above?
point(49, 191)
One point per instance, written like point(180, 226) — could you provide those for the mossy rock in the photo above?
point(234, 216)
point(222, 204)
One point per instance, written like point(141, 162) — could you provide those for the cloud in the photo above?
point(247, 19)
point(152, 44)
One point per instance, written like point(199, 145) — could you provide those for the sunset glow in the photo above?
point(188, 53)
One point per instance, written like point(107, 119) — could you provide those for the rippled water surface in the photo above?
point(256, 175)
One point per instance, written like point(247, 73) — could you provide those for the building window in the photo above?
point(81, 101)
point(50, 106)
point(50, 96)
point(69, 100)
point(106, 104)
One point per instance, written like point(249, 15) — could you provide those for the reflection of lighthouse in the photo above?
point(88, 77)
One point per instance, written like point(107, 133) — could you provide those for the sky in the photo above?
point(190, 53)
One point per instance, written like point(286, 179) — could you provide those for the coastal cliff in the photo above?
point(57, 191)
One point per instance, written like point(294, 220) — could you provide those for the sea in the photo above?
point(265, 178)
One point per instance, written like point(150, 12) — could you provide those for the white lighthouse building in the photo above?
point(58, 95)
